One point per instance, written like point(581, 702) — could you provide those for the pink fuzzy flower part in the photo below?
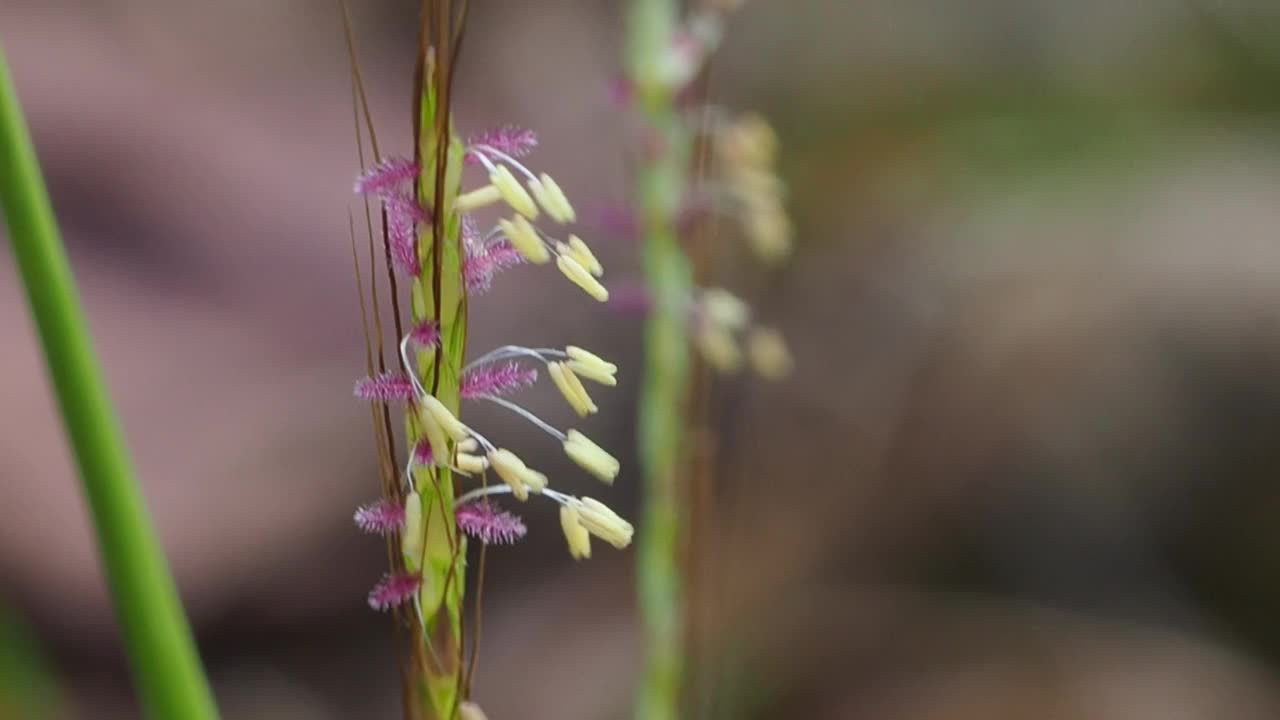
point(490, 524)
point(425, 334)
point(403, 218)
point(422, 454)
point(468, 231)
point(481, 264)
point(496, 380)
point(389, 178)
point(385, 387)
point(394, 590)
point(514, 141)
point(380, 517)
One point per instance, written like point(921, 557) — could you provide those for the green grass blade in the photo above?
point(157, 639)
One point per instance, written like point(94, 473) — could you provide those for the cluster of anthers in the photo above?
point(494, 376)
point(746, 149)
point(718, 318)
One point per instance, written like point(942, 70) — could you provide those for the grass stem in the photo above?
point(157, 639)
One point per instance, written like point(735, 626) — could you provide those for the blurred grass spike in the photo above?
point(162, 654)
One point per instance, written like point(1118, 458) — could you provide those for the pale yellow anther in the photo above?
point(468, 710)
point(513, 192)
point(573, 270)
point(412, 536)
point(604, 523)
point(757, 188)
point(769, 232)
point(470, 445)
point(524, 238)
point(571, 388)
point(452, 426)
point(768, 353)
point(749, 141)
point(575, 533)
point(580, 252)
point(591, 457)
point(476, 199)
point(552, 199)
point(593, 373)
point(534, 480)
point(571, 378)
point(471, 464)
point(588, 358)
point(511, 469)
point(436, 436)
point(718, 348)
point(724, 308)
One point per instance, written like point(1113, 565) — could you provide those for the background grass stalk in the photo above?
point(157, 639)
point(660, 180)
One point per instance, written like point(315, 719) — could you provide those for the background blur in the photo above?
point(1026, 469)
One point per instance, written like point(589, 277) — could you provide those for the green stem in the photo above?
point(156, 636)
point(444, 562)
point(659, 186)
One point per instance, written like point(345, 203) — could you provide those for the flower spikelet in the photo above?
point(489, 523)
point(385, 387)
point(381, 517)
point(388, 179)
point(496, 379)
point(394, 590)
point(514, 141)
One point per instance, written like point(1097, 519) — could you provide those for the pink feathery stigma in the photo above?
point(403, 217)
point(383, 516)
point(496, 379)
point(422, 454)
point(385, 387)
point(489, 524)
point(468, 231)
point(425, 334)
point(389, 178)
point(481, 264)
point(512, 140)
point(394, 590)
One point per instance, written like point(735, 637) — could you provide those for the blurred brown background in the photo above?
point(1026, 467)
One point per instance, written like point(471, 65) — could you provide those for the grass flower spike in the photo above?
point(438, 488)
